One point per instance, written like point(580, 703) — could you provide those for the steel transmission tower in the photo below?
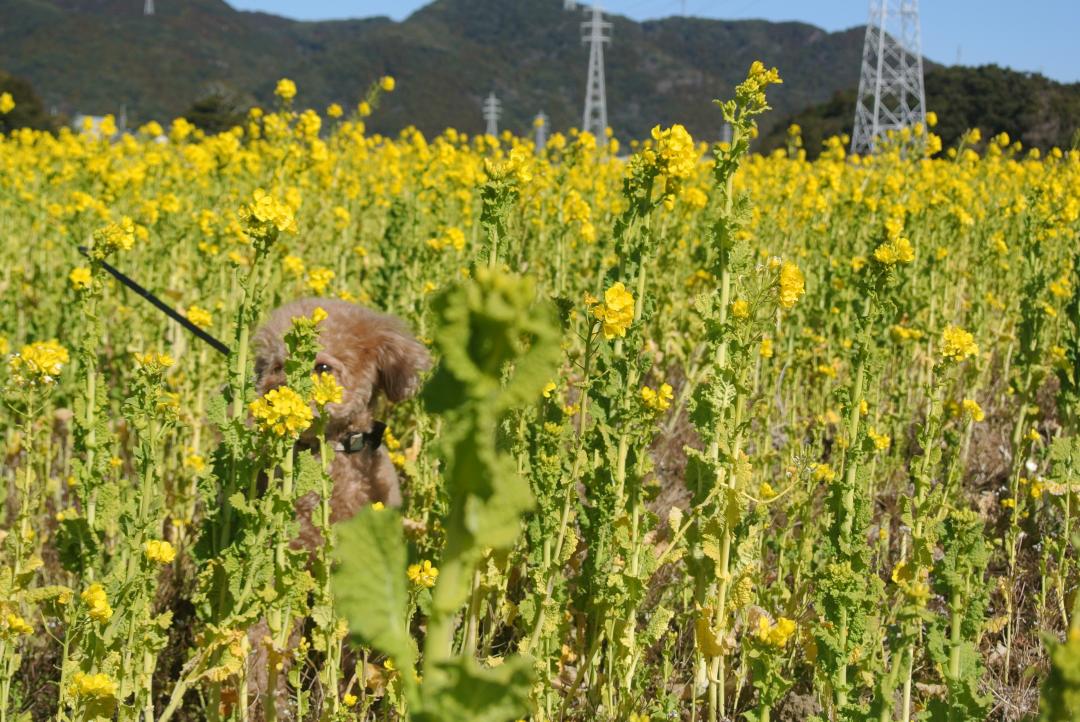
point(148, 7)
point(540, 126)
point(596, 118)
point(492, 112)
point(891, 92)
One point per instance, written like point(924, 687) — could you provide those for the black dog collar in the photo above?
point(358, 441)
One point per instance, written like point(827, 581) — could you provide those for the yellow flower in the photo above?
point(349, 700)
point(159, 551)
point(766, 348)
point(325, 389)
point(195, 462)
point(659, 400)
point(676, 154)
point(200, 317)
point(881, 441)
point(7, 103)
point(957, 344)
point(766, 491)
point(293, 265)
point(387, 83)
point(792, 284)
point(823, 472)
point(15, 625)
point(99, 686)
point(119, 236)
point(41, 361)
point(972, 410)
point(1033, 435)
point(775, 634)
point(549, 388)
point(740, 309)
point(898, 251)
point(363, 109)
point(319, 315)
point(378, 506)
point(319, 278)
point(334, 110)
point(97, 603)
point(268, 212)
point(154, 361)
point(423, 574)
point(282, 411)
point(616, 313)
point(286, 89)
point(80, 278)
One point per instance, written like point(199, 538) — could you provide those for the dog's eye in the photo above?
point(322, 368)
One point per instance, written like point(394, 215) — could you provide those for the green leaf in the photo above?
point(369, 583)
point(470, 693)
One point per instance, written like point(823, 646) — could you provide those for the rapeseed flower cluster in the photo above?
point(423, 575)
point(325, 389)
point(99, 686)
point(159, 551)
point(40, 362)
point(792, 284)
point(616, 313)
point(118, 236)
point(282, 412)
point(957, 344)
point(97, 603)
point(775, 634)
point(265, 214)
point(658, 400)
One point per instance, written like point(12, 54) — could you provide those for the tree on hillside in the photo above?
point(219, 109)
point(1031, 108)
point(28, 111)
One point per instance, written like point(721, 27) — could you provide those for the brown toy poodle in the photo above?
point(369, 354)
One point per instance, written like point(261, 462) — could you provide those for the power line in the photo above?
point(891, 91)
point(492, 113)
point(595, 119)
point(540, 124)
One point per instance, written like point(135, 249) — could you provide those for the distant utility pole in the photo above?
point(596, 29)
point(891, 91)
point(492, 112)
point(540, 124)
point(148, 7)
point(726, 134)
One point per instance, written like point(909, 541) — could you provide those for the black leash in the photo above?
point(161, 305)
point(352, 444)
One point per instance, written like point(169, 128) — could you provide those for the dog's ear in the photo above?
point(401, 359)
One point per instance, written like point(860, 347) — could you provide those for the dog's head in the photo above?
point(367, 352)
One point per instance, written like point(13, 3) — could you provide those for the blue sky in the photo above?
point(1037, 35)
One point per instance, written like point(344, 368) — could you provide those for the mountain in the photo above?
point(1031, 108)
point(104, 56)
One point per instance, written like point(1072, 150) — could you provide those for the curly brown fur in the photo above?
point(371, 355)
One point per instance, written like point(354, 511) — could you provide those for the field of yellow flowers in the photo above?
point(710, 436)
